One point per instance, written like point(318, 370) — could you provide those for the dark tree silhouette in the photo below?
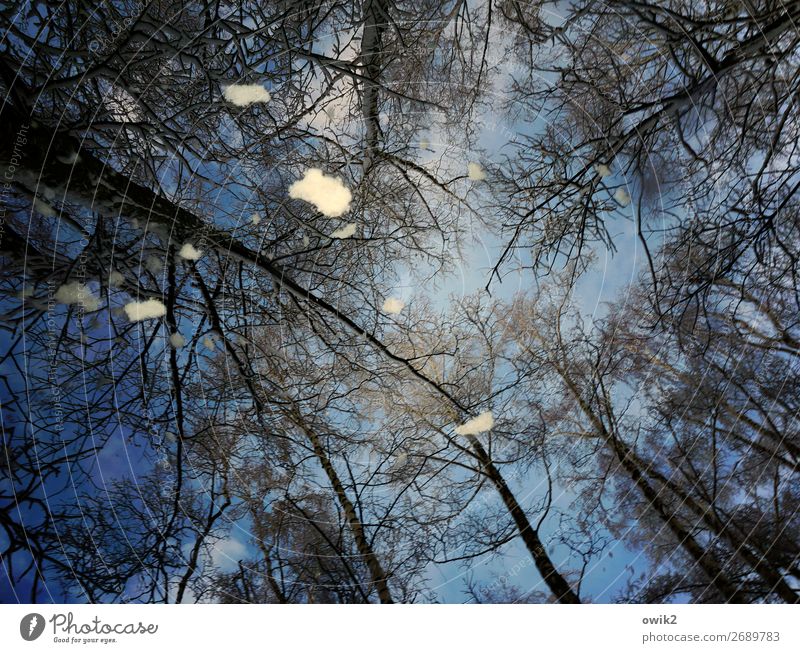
point(212, 392)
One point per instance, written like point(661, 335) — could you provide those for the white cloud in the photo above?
point(479, 424)
point(393, 305)
point(189, 252)
point(115, 279)
point(255, 218)
point(208, 343)
point(348, 231)
point(622, 197)
point(75, 292)
point(475, 172)
point(602, 170)
point(146, 310)
point(122, 106)
point(243, 95)
point(226, 553)
point(177, 340)
point(328, 194)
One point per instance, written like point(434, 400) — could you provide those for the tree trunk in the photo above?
point(769, 574)
point(555, 581)
point(378, 575)
point(375, 21)
point(627, 460)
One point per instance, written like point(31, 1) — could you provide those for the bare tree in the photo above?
point(209, 391)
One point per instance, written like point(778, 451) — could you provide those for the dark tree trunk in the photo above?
point(378, 575)
point(555, 581)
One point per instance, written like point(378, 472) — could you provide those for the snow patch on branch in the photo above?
point(76, 292)
point(602, 170)
point(328, 194)
point(475, 172)
point(479, 424)
point(44, 208)
point(154, 265)
point(243, 95)
point(115, 279)
point(348, 231)
point(393, 305)
point(146, 310)
point(189, 252)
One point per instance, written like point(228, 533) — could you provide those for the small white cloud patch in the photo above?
point(479, 424)
point(75, 292)
point(177, 340)
point(602, 170)
point(393, 305)
point(189, 252)
point(208, 343)
point(328, 194)
point(622, 197)
point(243, 95)
point(255, 218)
point(146, 310)
point(348, 231)
point(475, 171)
point(115, 279)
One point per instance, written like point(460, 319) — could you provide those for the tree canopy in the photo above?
point(300, 301)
